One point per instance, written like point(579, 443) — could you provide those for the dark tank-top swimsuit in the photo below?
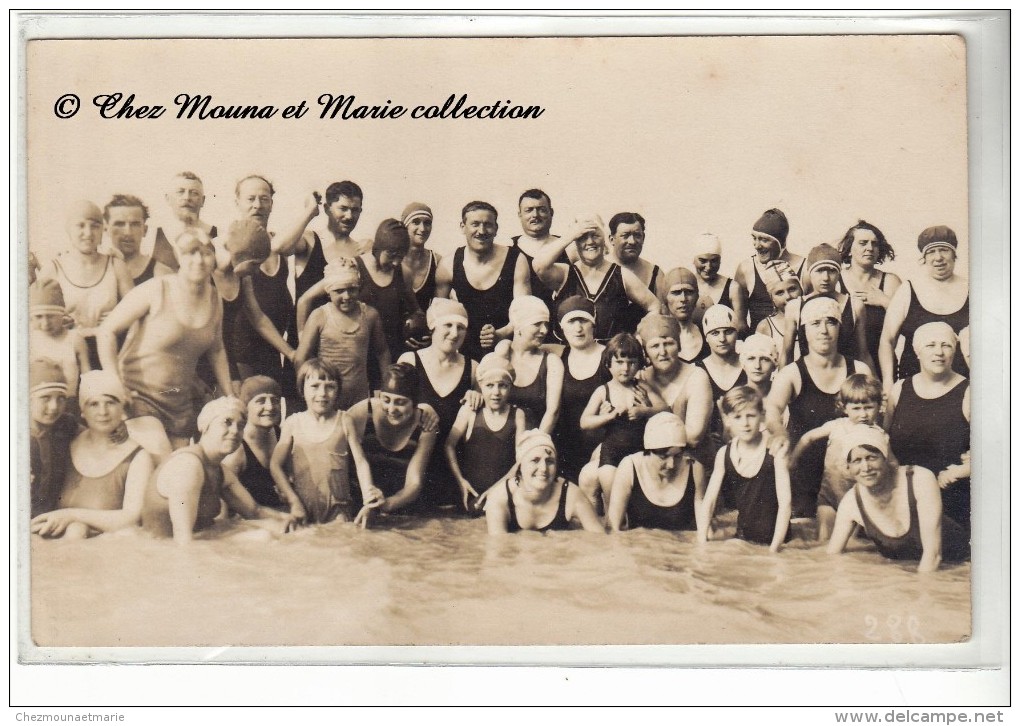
point(427, 291)
point(918, 315)
point(643, 513)
point(439, 488)
point(610, 299)
point(389, 468)
point(531, 398)
point(485, 307)
point(574, 444)
point(559, 522)
point(258, 480)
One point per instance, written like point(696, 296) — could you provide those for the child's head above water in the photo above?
point(623, 357)
point(743, 411)
point(319, 381)
point(495, 376)
point(47, 391)
point(860, 398)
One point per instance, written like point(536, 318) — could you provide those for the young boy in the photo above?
point(342, 332)
point(51, 432)
point(860, 399)
point(49, 338)
point(490, 434)
point(748, 477)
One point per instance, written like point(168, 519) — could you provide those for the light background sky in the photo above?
point(696, 134)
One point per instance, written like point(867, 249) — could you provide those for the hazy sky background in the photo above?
point(696, 134)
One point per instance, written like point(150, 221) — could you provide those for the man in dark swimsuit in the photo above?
point(126, 218)
point(627, 241)
point(484, 277)
point(536, 214)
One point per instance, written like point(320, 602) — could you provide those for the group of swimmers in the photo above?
point(552, 383)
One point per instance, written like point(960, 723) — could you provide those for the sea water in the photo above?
point(446, 582)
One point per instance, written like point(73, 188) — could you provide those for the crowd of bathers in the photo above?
point(293, 375)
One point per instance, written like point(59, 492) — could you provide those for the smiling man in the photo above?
point(484, 277)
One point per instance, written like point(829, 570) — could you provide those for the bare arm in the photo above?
point(53, 524)
point(553, 391)
point(277, 463)
point(306, 302)
point(217, 356)
point(354, 426)
point(309, 341)
point(378, 336)
point(711, 495)
point(497, 512)
point(135, 306)
point(784, 390)
point(580, 509)
point(738, 302)
point(847, 517)
point(598, 412)
point(287, 241)
point(809, 438)
point(785, 506)
point(860, 333)
point(450, 450)
point(639, 293)
point(929, 519)
point(894, 317)
point(444, 277)
point(699, 406)
point(790, 319)
point(415, 470)
point(549, 271)
point(619, 495)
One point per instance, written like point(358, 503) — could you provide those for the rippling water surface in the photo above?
point(445, 582)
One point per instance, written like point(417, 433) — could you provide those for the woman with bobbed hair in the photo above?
point(862, 249)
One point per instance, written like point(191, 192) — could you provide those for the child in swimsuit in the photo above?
point(49, 338)
point(487, 437)
point(310, 464)
point(51, 433)
point(343, 331)
point(748, 477)
point(621, 406)
point(860, 398)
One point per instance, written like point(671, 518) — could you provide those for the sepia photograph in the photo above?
point(642, 340)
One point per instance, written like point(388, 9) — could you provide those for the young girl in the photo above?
point(50, 339)
point(783, 285)
point(309, 465)
point(489, 435)
point(342, 332)
point(860, 401)
point(621, 406)
point(748, 477)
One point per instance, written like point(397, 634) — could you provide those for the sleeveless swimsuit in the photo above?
point(754, 498)
point(573, 444)
point(538, 288)
point(706, 301)
point(643, 513)
point(347, 348)
point(486, 307)
point(427, 291)
point(808, 411)
point(156, 507)
point(105, 491)
point(918, 315)
point(716, 429)
point(439, 488)
point(623, 437)
point(487, 455)
point(250, 348)
point(759, 302)
point(630, 315)
point(702, 353)
point(319, 469)
point(87, 304)
point(258, 480)
point(160, 361)
point(559, 522)
point(531, 398)
point(955, 542)
point(876, 320)
point(314, 270)
point(394, 302)
point(389, 468)
point(934, 433)
point(846, 343)
point(609, 299)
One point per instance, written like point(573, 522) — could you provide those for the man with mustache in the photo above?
point(186, 198)
point(626, 242)
point(484, 277)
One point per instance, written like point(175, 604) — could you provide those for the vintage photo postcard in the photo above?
point(642, 340)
